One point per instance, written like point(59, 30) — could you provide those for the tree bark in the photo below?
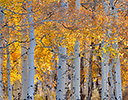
point(24, 53)
point(61, 75)
point(90, 80)
point(72, 81)
point(111, 82)
point(1, 22)
point(30, 94)
point(24, 70)
point(104, 70)
point(82, 78)
point(104, 64)
point(87, 71)
point(8, 75)
point(77, 71)
point(118, 91)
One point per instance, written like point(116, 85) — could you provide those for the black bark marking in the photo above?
point(112, 8)
point(59, 67)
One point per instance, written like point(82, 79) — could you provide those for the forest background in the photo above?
point(41, 39)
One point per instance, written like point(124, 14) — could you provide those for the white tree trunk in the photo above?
point(111, 82)
point(61, 75)
point(66, 84)
point(73, 82)
point(77, 71)
point(78, 4)
point(117, 62)
point(24, 71)
point(77, 64)
point(8, 75)
point(62, 70)
point(105, 64)
point(30, 94)
point(104, 70)
point(118, 79)
point(24, 64)
point(118, 90)
point(1, 22)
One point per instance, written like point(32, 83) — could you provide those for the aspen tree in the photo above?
point(77, 63)
point(104, 64)
point(8, 75)
point(72, 81)
point(77, 71)
point(61, 75)
point(113, 14)
point(62, 70)
point(24, 67)
point(30, 94)
point(1, 22)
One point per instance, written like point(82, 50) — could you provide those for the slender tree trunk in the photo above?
point(66, 84)
point(104, 70)
point(77, 64)
point(72, 81)
point(90, 80)
point(61, 75)
point(82, 78)
point(0, 73)
point(55, 73)
point(24, 65)
point(87, 71)
point(30, 94)
point(24, 71)
point(111, 83)
point(118, 91)
point(66, 77)
point(118, 79)
point(77, 71)
point(104, 64)
point(1, 22)
point(8, 75)
point(62, 70)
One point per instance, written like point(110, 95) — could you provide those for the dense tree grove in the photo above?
point(63, 49)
